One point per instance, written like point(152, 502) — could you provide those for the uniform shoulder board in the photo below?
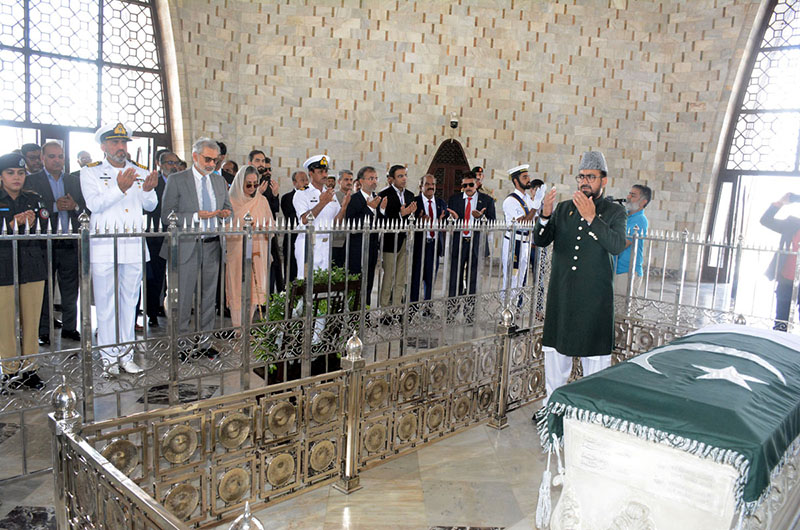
point(137, 164)
point(305, 188)
point(32, 194)
point(94, 164)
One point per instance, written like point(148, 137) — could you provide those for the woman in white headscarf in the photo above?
point(247, 197)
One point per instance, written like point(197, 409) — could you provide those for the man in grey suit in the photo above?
point(199, 197)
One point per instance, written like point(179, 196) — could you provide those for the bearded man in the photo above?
point(586, 231)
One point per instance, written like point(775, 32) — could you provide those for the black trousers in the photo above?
point(276, 283)
point(288, 255)
point(425, 266)
point(65, 268)
point(464, 271)
point(156, 275)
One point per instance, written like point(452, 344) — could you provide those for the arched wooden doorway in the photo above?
point(449, 163)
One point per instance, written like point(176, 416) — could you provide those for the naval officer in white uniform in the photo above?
point(116, 191)
point(322, 203)
point(517, 207)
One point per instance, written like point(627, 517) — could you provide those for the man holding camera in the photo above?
point(783, 267)
point(263, 164)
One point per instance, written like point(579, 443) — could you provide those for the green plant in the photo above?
point(272, 339)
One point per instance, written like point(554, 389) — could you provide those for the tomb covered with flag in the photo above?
point(699, 433)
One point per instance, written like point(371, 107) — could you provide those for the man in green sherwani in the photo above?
point(586, 231)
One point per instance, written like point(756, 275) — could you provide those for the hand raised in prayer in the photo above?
point(262, 187)
point(223, 213)
point(549, 202)
point(26, 217)
point(151, 181)
point(452, 213)
point(273, 186)
point(376, 201)
point(125, 179)
point(66, 203)
point(585, 206)
point(409, 209)
point(477, 214)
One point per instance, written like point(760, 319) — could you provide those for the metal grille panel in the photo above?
point(58, 92)
point(65, 27)
point(128, 35)
point(12, 79)
point(12, 29)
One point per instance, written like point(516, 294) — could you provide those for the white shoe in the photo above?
point(131, 367)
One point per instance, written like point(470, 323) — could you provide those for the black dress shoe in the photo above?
point(57, 323)
point(31, 380)
point(44, 340)
point(71, 335)
point(162, 312)
point(152, 322)
point(57, 307)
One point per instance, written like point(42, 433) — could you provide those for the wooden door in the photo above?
point(448, 165)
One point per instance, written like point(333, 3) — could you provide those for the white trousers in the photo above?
point(517, 275)
point(321, 250)
point(130, 279)
point(557, 368)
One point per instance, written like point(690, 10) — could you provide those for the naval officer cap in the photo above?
point(316, 162)
point(114, 131)
point(12, 161)
point(519, 170)
point(593, 160)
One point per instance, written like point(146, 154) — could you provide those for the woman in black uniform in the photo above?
point(20, 208)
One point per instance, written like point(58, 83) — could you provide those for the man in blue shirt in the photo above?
point(639, 197)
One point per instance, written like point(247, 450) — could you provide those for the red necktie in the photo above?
point(430, 215)
point(467, 214)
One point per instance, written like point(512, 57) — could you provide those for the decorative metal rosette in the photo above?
point(434, 417)
point(376, 393)
point(280, 469)
point(233, 485)
point(281, 418)
point(438, 375)
point(324, 406)
point(322, 455)
point(233, 430)
point(409, 383)
point(407, 426)
point(461, 407)
point(179, 444)
point(123, 454)
point(375, 437)
point(182, 500)
point(485, 398)
point(464, 369)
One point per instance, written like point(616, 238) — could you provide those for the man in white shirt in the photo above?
point(116, 191)
point(517, 207)
point(321, 202)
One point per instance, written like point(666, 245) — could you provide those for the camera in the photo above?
point(453, 121)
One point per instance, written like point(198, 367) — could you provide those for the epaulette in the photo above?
point(94, 164)
point(137, 164)
point(32, 193)
point(305, 188)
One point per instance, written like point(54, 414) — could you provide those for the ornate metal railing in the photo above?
point(306, 339)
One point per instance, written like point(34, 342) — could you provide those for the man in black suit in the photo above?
point(399, 205)
point(466, 243)
point(428, 244)
point(263, 164)
point(300, 182)
point(61, 195)
point(157, 266)
point(362, 211)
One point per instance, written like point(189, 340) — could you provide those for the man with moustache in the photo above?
point(469, 204)
point(33, 157)
point(362, 211)
point(263, 164)
point(399, 205)
point(61, 195)
point(157, 266)
point(517, 207)
point(428, 244)
point(299, 182)
point(199, 197)
point(338, 250)
point(638, 198)
point(586, 231)
point(116, 191)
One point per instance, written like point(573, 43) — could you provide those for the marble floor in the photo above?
point(481, 478)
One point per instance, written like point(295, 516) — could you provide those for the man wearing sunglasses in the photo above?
point(199, 197)
point(586, 231)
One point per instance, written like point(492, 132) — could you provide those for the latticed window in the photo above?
point(72, 65)
point(762, 157)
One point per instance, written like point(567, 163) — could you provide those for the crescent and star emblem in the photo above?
point(729, 373)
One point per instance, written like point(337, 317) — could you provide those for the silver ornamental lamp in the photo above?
point(246, 521)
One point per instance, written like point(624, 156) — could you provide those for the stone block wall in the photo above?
point(374, 82)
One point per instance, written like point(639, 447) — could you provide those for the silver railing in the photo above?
point(303, 330)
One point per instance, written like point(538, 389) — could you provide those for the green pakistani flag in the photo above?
point(726, 393)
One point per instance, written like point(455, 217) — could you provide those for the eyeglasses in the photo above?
point(468, 184)
point(588, 178)
point(250, 185)
point(170, 163)
point(209, 160)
